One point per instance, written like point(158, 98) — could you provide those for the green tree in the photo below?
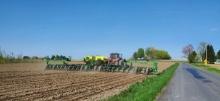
point(150, 52)
point(2, 60)
point(162, 54)
point(218, 55)
point(153, 53)
point(53, 57)
point(140, 53)
point(135, 56)
point(210, 54)
point(26, 57)
point(192, 57)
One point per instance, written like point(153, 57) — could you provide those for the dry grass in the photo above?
point(217, 66)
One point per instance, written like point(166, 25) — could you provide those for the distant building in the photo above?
point(217, 61)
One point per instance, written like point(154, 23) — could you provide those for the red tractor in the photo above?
point(116, 59)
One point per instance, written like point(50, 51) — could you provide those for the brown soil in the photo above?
point(38, 66)
point(163, 65)
point(62, 85)
point(29, 81)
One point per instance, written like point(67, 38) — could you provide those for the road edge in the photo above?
point(166, 86)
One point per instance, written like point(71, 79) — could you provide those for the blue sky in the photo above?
point(99, 27)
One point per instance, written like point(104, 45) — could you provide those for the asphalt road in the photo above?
point(190, 84)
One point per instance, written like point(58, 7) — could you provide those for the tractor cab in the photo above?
point(115, 56)
point(115, 59)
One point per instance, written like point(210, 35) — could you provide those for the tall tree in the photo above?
point(140, 53)
point(202, 50)
point(218, 54)
point(210, 54)
point(187, 50)
point(150, 52)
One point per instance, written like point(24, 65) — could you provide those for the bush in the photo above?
point(26, 57)
point(135, 56)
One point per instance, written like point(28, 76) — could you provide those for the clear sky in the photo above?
point(99, 27)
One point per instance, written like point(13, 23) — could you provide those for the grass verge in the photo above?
point(206, 67)
point(148, 89)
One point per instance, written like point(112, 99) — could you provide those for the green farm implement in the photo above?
point(114, 63)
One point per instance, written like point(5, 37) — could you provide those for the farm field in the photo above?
point(30, 81)
point(39, 66)
point(62, 85)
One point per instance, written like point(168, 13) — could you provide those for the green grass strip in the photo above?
point(148, 89)
point(206, 67)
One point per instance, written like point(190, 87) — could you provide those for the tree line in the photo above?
point(151, 53)
point(12, 58)
point(199, 55)
point(58, 57)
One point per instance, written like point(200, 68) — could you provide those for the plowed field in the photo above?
point(62, 85)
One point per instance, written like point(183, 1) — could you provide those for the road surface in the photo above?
point(190, 84)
